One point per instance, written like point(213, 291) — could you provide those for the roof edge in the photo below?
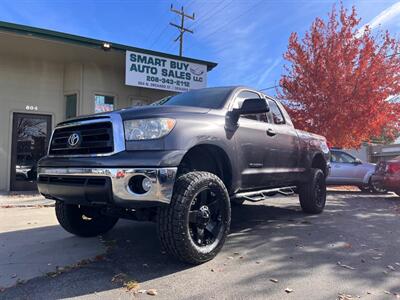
point(90, 42)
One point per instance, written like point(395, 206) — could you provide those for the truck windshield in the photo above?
point(213, 98)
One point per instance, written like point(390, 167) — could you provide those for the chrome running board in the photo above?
point(260, 195)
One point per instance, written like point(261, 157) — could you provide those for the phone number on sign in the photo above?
point(168, 81)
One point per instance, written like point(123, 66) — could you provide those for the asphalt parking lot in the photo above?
point(274, 251)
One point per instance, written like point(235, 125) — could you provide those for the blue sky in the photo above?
point(245, 37)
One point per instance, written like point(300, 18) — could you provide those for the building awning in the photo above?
point(89, 42)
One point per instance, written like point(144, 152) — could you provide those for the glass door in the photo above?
point(30, 138)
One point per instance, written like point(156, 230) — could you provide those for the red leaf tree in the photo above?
point(339, 79)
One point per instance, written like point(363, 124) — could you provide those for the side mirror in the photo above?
point(249, 107)
point(358, 161)
point(253, 106)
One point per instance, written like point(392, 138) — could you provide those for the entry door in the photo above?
point(30, 138)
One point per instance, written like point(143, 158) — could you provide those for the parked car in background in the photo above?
point(387, 175)
point(349, 170)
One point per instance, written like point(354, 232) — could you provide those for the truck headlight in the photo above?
point(147, 129)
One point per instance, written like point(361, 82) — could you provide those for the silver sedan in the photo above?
point(349, 170)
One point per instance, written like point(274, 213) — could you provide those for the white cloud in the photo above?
point(384, 17)
point(268, 71)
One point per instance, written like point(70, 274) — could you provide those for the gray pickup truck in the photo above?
point(181, 162)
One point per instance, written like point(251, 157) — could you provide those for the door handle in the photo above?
point(271, 132)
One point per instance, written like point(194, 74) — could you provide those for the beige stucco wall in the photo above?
point(47, 71)
point(23, 82)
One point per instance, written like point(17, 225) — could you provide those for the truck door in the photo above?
point(253, 146)
point(284, 145)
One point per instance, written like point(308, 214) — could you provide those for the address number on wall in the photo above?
point(31, 107)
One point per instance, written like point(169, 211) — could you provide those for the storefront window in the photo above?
point(103, 103)
point(71, 106)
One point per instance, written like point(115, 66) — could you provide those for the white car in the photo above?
point(349, 170)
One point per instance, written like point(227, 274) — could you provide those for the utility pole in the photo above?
point(181, 28)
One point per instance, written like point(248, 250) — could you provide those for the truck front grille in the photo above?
point(93, 138)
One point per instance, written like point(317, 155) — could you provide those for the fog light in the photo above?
point(146, 184)
point(139, 184)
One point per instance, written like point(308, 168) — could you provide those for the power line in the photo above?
point(182, 28)
point(205, 18)
point(233, 21)
point(270, 88)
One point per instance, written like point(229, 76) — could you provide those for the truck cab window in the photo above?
point(276, 113)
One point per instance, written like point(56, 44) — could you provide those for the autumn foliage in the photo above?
point(339, 78)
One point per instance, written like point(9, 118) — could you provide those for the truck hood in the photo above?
point(158, 111)
point(146, 111)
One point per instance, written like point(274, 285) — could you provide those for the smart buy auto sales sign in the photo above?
point(162, 73)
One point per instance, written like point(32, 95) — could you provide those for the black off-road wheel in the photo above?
point(83, 221)
point(312, 194)
point(194, 226)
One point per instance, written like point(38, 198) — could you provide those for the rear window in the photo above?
point(207, 98)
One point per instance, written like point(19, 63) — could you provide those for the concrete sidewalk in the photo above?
point(23, 199)
point(32, 244)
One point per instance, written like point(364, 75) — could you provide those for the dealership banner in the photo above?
point(162, 73)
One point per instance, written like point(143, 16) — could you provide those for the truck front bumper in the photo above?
point(107, 185)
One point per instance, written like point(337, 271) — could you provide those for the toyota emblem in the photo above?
point(74, 139)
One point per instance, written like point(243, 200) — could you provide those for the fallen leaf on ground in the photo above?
point(387, 292)
point(230, 257)
point(100, 257)
point(131, 285)
point(83, 262)
point(347, 245)
point(141, 291)
point(344, 297)
point(119, 278)
point(345, 266)
point(152, 292)
point(52, 274)
point(390, 267)
point(305, 222)
point(274, 280)
point(289, 290)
